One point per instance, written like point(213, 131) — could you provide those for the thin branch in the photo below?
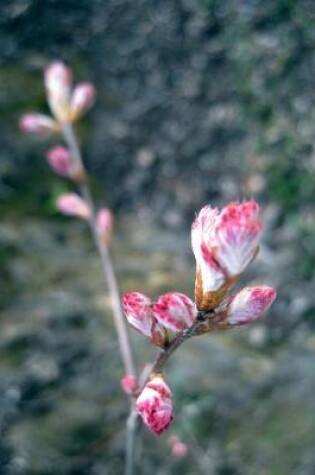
point(111, 281)
point(107, 265)
point(164, 355)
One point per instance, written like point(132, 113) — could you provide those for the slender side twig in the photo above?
point(107, 264)
point(164, 354)
point(111, 281)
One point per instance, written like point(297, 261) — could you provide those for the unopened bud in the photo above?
point(175, 311)
point(129, 384)
point(82, 99)
point(104, 225)
point(155, 405)
point(72, 204)
point(178, 448)
point(58, 81)
point(37, 123)
point(137, 308)
point(249, 304)
point(224, 244)
point(138, 311)
point(61, 160)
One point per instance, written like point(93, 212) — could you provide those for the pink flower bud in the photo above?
point(37, 123)
point(104, 224)
point(72, 204)
point(178, 448)
point(60, 160)
point(129, 384)
point(155, 405)
point(249, 304)
point(224, 244)
point(58, 81)
point(138, 310)
point(175, 311)
point(82, 99)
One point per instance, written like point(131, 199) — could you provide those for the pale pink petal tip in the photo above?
point(129, 384)
point(58, 82)
point(60, 160)
point(37, 123)
point(83, 98)
point(72, 204)
point(249, 304)
point(175, 311)
point(237, 234)
point(137, 309)
point(57, 76)
point(155, 405)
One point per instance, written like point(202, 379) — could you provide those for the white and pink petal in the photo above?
point(250, 304)
point(237, 234)
point(175, 311)
point(137, 309)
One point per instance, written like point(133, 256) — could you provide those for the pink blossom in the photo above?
point(175, 311)
point(58, 82)
point(224, 243)
point(104, 224)
point(249, 304)
point(129, 384)
point(61, 160)
point(82, 99)
point(73, 205)
point(155, 405)
point(37, 123)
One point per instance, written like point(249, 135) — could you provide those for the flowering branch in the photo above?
point(224, 244)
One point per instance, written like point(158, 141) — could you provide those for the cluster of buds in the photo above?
point(224, 244)
point(67, 105)
point(173, 311)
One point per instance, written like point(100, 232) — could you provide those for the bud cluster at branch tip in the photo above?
point(224, 244)
point(66, 104)
point(173, 311)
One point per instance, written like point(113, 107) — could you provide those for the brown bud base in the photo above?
point(210, 300)
point(213, 322)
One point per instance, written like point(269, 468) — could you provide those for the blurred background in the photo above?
point(199, 101)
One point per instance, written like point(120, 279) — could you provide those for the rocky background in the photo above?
point(198, 101)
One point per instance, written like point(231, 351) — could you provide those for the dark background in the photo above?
point(199, 101)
